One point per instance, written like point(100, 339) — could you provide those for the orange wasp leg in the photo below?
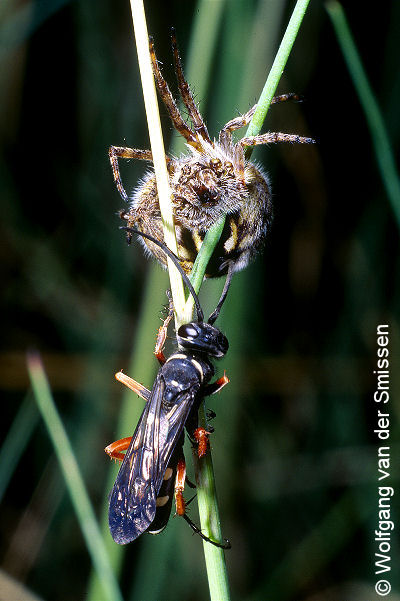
point(179, 487)
point(218, 385)
point(116, 450)
point(201, 435)
point(130, 383)
point(181, 505)
point(162, 334)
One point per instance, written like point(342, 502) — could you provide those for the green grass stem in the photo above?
point(380, 139)
point(210, 522)
point(254, 127)
point(205, 479)
point(277, 69)
point(215, 562)
point(129, 412)
point(16, 441)
point(73, 478)
point(200, 265)
point(158, 152)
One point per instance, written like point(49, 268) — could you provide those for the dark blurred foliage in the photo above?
point(294, 446)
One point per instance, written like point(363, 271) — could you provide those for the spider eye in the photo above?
point(228, 168)
point(216, 165)
point(188, 331)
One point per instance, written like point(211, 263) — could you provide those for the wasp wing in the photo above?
point(133, 498)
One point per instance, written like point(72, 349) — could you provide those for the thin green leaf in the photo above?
point(73, 478)
point(379, 135)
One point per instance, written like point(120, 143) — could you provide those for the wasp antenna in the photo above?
point(175, 260)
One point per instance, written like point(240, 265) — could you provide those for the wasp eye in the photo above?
point(188, 330)
point(223, 343)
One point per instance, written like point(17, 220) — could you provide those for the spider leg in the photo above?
point(234, 124)
point(187, 97)
point(168, 100)
point(122, 152)
point(243, 120)
point(285, 97)
point(273, 138)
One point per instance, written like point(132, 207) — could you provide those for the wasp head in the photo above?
point(204, 338)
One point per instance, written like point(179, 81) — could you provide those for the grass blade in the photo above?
point(72, 476)
point(158, 152)
point(16, 441)
point(208, 506)
point(373, 115)
point(277, 68)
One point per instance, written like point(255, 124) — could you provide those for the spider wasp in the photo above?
point(153, 464)
point(212, 180)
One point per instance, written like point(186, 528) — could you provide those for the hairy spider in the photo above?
point(212, 180)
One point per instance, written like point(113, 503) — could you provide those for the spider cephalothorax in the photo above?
point(212, 180)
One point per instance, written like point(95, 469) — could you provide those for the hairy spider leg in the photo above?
point(236, 123)
point(167, 98)
point(186, 93)
point(242, 120)
point(273, 138)
point(124, 152)
point(288, 96)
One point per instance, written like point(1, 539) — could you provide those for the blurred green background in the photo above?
point(294, 448)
